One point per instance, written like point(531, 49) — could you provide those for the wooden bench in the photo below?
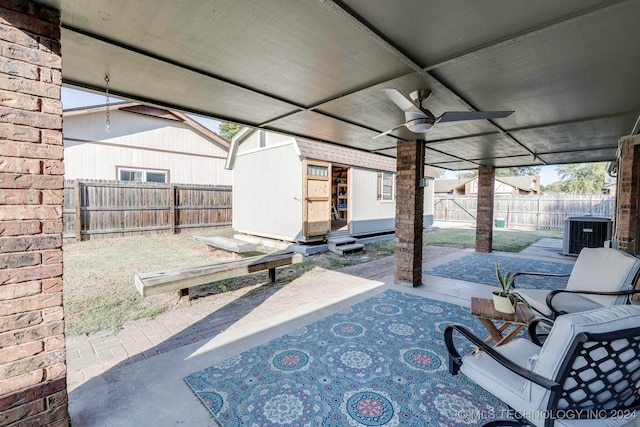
point(181, 279)
point(226, 244)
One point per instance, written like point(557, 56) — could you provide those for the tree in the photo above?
point(514, 171)
point(438, 172)
point(519, 171)
point(581, 178)
point(228, 130)
point(554, 187)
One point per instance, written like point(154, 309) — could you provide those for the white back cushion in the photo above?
point(605, 270)
point(566, 327)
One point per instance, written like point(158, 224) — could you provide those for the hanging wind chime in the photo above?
point(108, 121)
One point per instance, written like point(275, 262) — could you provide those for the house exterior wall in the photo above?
point(267, 192)
point(33, 383)
point(502, 188)
point(369, 215)
point(138, 141)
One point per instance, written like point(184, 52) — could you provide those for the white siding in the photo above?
point(369, 215)
point(501, 187)
point(138, 141)
point(267, 193)
point(277, 138)
point(252, 143)
point(428, 197)
point(364, 192)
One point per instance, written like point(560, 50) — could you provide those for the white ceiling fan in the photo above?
point(419, 120)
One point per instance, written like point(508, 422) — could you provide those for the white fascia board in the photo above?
point(237, 139)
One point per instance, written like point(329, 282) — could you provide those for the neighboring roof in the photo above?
point(447, 185)
point(522, 182)
point(160, 113)
point(348, 156)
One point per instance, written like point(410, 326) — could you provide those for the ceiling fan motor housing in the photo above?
point(420, 125)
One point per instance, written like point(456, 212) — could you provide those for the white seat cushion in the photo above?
point(570, 303)
point(498, 380)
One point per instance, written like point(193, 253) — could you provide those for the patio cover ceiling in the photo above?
point(316, 68)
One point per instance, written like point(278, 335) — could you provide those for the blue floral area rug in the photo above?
point(481, 268)
point(381, 362)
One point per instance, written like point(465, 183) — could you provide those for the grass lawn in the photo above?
point(99, 293)
point(503, 240)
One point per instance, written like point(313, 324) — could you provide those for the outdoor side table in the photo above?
point(484, 310)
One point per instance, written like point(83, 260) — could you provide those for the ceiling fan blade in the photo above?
point(402, 101)
point(387, 132)
point(458, 116)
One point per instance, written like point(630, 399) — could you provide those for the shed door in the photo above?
point(316, 219)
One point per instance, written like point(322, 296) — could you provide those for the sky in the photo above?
point(72, 98)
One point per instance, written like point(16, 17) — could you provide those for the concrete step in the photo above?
point(346, 249)
point(338, 234)
point(338, 241)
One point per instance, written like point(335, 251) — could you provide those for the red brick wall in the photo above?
point(32, 346)
point(484, 221)
point(627, 196)
point(409, 211)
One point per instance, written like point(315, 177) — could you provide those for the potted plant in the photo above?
point(505, 300)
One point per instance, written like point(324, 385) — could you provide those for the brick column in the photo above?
point(32, 346)
point(409, 209)
point(627, 187)
point(484, 220)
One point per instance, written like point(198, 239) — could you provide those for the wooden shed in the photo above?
point(300, 190)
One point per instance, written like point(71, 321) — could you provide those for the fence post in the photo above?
point(538, 215)
point(172, 208)
point(78, 210)
point(446, 210)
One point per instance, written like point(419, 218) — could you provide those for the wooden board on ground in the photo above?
point(158, 282)
point(226, 244)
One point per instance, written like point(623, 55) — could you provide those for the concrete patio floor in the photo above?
point(135, 377)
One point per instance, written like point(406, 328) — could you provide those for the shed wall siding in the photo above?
point(429, 192)
point(267, 193)
point(250, 144)
point(369, 215)
point(364, 191)
point(139, 139)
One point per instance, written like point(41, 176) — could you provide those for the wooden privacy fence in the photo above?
point(532, 212)
point(97, 209)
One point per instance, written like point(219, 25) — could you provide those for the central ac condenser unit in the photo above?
point(585, 232)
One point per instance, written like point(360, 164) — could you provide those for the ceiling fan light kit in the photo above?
point(420, 120)
point(420, 125)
